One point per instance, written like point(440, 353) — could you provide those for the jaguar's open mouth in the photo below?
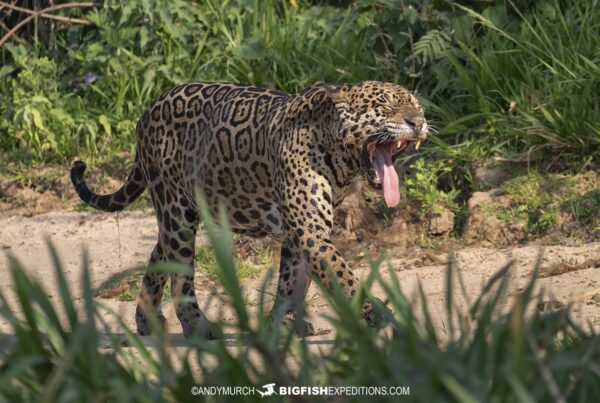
point(378, 162)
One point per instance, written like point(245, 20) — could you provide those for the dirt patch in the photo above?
point(542, 208)
point(118, 246)
point(550, 208)
point(364, 225)
point(42, 189)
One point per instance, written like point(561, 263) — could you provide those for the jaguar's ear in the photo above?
point(337, 94)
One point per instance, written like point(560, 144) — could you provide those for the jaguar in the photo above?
point(281, 164)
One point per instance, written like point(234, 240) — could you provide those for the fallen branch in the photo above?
point(17, 38)
point(35, 14)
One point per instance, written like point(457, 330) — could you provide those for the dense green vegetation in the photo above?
point(511, 80)
point(518, 352)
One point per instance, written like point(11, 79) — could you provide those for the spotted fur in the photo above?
point(280, 163)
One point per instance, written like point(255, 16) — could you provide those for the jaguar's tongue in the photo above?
point(382, 161)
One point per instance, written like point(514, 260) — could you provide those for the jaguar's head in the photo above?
point(381, 121)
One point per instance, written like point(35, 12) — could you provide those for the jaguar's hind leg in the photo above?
point(153, 285)
point(179, 230)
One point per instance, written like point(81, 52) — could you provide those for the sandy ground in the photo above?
point(116, 243)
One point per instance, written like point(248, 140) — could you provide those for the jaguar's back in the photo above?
point(215, 138)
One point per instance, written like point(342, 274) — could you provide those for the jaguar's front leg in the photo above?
point(313, 256)
point(294, 281)
point(308, 253)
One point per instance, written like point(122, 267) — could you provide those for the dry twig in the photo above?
point(43, 13)
point(15, 36)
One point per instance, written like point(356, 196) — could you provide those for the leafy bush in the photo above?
point(41, 118)
point(499, 80)
point(422, 186)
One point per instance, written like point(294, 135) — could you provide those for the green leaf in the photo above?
point(547, 9)
point(40, 99)
point(6, 70)
point(457, 390)
point(51, 138)
point(96, 48)
point(37, 119)
point(143, 37)
point(62, 116)
point(105, 124)
point(116, 65)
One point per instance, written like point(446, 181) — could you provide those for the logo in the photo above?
point(269, 390)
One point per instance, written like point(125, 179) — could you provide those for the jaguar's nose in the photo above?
point(415, 123)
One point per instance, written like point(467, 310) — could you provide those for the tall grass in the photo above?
point(490, 351)
point(531, 82)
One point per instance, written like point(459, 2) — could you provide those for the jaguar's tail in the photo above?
point(117, 201)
